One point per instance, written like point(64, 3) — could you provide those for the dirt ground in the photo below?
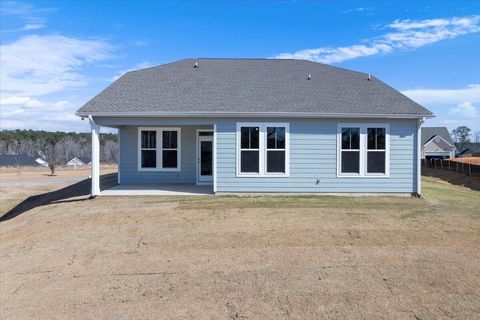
point(22, 173)
point(304, 257)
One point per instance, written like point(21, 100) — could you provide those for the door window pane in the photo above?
point(149, 158)
point(350, 162)
point(206, 158)
point(249, 161)
point(276, 161)
point(169, 158)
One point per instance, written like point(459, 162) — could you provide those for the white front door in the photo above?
point(204, 159)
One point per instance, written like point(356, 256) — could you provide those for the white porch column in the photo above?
point(95, 191)
point(214, 158)
point(419, 156)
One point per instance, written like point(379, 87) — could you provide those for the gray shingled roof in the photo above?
point(250, 86)
point(85, 159)
point(429, 132)
point(17, 160)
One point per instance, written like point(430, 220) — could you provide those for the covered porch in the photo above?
point(158, 157)
point(159, 190)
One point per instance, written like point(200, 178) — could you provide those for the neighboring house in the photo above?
point(79, 161)
point(260, 125)
point(437, 143)
point(18, 161)
point(42, 162)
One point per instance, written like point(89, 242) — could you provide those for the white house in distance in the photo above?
point(42, 162)
point(437, 143)
point(79, 161)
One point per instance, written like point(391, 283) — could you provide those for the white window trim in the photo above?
point(262, 148)
point(159, 148)
point(363, 150)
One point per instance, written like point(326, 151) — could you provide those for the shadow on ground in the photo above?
point(79, 191)
point(452, 177)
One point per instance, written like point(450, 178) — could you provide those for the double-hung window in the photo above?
point(262, 149)
point(148, 152)
point(363, 150)
point(376, 151)
point(250, 149)
point(159, 149)
point(169, 149)
point(350, 150)
point(276, 152)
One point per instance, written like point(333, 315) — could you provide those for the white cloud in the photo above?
point(60, 104)
point(9, 112)
point(21, 101)
point(359, 9)
point(33, 26)
point(6, 124)
point(409, 24)
point(25, 12)
point(464, 109)
point(445, 96)
point(38, 65)
point(141, 65)
point(407, 34)
point(16, 8)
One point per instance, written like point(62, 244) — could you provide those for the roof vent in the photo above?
point(309, 76)
point(196, 64)
point(369, 77)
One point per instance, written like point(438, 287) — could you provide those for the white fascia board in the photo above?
point(252, 114)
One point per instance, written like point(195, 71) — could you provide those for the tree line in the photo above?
point(57, 147)
point(463, 137)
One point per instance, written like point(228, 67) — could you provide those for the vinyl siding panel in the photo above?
point(129, 158)
point(313, 156)
point(313, 160)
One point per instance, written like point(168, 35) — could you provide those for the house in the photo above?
point(79, 161)
point(260, 126)
point(41, 162)
point(18, 161)
point(437, 143)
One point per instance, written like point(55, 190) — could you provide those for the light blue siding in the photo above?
point(128, 166)
point(313, 156)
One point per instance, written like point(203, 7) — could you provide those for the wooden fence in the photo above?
point(465, 168)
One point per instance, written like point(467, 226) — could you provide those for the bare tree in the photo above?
point(53, 154)
point(476, 137)
point(110, 151)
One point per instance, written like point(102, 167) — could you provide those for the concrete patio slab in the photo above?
point(159, 190)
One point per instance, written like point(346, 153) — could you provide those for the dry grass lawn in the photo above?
point(296, 257)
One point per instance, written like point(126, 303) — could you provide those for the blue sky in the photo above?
point(55, 55)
